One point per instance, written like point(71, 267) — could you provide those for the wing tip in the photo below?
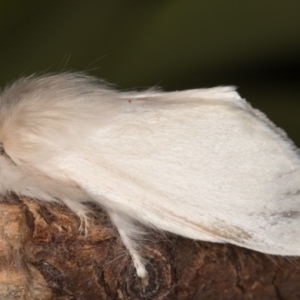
point(220, 92)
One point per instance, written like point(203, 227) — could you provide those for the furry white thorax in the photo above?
point(200, 163)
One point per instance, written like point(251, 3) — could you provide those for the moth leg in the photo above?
point(84, 224)
point(81, 211)
point(129, 232)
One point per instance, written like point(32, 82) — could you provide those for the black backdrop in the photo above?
point(177, 44)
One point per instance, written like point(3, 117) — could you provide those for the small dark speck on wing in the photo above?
point(293, 193)
point(2, 152)
point(293, 214)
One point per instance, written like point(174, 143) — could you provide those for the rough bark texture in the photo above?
point(43, 256)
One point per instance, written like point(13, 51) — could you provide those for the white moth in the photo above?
point(200, 163)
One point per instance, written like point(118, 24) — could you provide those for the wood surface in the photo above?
point(43, 256)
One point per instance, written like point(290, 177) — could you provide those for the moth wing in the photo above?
point(202, 164)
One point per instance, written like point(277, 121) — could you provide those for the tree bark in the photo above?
point(43, 256)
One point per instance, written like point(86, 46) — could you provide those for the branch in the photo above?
point(43, 256)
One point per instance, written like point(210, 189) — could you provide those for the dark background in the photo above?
point(179, 44)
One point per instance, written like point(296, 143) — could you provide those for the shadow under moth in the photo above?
point(199, 163)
